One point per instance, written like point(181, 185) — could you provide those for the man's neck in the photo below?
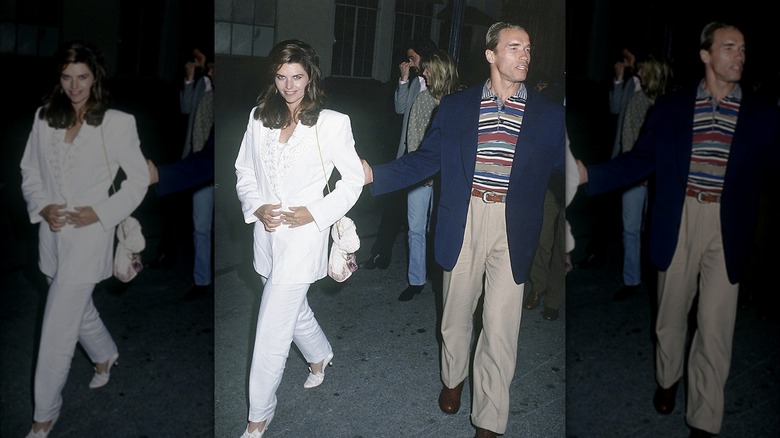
point(718, 89)
point(503, 89)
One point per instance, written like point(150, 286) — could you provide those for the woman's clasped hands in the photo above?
point(271, 217)
point(57, 217)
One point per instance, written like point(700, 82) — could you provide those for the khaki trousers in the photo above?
point(483, 262)
point(698, 265)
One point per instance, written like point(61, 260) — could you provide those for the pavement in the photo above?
point(384, 381)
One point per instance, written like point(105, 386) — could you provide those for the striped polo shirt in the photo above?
point(499, 127)
point(713, 130)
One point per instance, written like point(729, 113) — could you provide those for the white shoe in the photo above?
point(316, 379)
point(257, 433)
point(100, 379)
point(42, 433)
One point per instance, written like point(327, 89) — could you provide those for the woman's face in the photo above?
point(291, 81)
point(76, 80)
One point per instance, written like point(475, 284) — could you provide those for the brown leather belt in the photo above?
point(487, 196)
point(703, 197)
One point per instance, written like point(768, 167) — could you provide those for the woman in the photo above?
point(441, 78)
point(289, 150)
point(66, 179)
point(654, 76)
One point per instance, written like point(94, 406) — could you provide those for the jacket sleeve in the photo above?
point(341, 155)
point(121, 134)
point(246, 179)
point(32, 182)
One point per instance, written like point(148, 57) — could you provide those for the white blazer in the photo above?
point(83, 255)
point(297, 255)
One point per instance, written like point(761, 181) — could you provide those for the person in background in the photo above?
point(200, 124)
point(548, 271)
point(441, 79)
point(75, 148)
point(410, 84)
point(196, 92)
point(711, 147)
point(654, 76)
point(289, 150)
point(495, 146)
point(625, 84)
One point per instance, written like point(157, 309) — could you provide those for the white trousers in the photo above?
point(284, 317)
point(69, 317)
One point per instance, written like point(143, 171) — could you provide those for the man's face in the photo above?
point(414, 58)
point(726, 57)
point(512, 55)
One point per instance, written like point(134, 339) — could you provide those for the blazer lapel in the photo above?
point(469, 138)
point(526, 138)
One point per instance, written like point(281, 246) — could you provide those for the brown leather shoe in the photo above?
point(550, 314)
point(484, 433)
point(664, 398)
point(532, 301)
point(449, 399)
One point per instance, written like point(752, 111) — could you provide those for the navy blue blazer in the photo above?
point(194, 171)
point(450, 147)
point(664, 148)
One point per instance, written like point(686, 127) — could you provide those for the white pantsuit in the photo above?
point(290, 259)
point(75, 259)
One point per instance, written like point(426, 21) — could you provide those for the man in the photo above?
point(410, 84)
point(493, 181)
point(710, 147)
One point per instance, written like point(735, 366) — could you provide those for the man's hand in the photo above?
point(368, 172)
point(198, 60)
point(628, 61)
point(583, 171)
point(405, 67)
point(154, 177)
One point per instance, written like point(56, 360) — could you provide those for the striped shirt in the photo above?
point(499, 127)
point(713, 130)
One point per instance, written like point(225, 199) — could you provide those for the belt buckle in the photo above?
point(485, 195)
point(700, 197)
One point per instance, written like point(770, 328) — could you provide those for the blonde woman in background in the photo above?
point(441, 78)
point(654, 76)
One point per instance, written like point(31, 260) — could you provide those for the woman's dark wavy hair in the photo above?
point(272, 108)
point(57, 108)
